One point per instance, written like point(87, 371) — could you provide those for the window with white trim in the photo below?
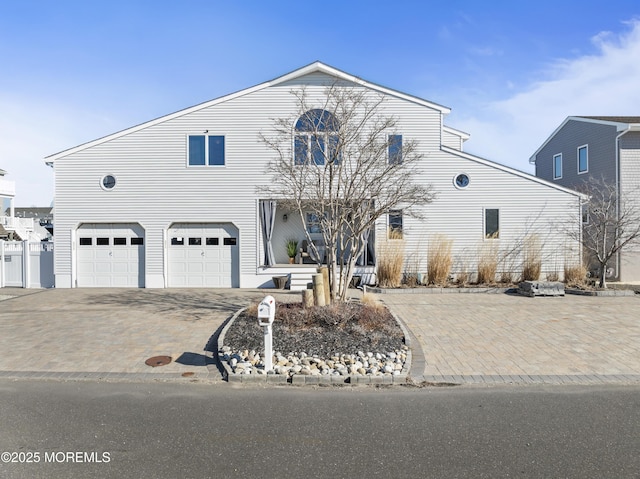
point(583, 159)
point(205, 150)
point(395, 149)
point(395, 224)
point(491, 223)
point(557, 166)
point(316, 140)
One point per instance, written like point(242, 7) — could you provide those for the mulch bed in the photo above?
point(324, 331)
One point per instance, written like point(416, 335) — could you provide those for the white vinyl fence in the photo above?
point(25, 264)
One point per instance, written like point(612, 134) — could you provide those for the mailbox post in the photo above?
point(266, 314)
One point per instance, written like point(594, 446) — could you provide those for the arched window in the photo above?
point(316, 138)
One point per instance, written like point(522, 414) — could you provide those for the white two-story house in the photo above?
point(175, 201)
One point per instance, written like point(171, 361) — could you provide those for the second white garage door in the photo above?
point(203, 255)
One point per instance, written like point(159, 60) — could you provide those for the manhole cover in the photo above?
point(158, 361)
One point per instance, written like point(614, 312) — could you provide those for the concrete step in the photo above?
point(299, 281)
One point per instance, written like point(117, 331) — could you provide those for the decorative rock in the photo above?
point(373, 364)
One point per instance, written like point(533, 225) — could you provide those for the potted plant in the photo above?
point(292, 250)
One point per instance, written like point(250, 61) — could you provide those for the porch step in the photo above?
point(299, 280)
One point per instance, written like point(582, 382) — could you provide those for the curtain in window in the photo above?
point(368, 255)
point(268, 218)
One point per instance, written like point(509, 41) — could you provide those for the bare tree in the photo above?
point(340, 163)
point(612, 223)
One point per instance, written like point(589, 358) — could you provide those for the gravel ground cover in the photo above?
point(344, 339)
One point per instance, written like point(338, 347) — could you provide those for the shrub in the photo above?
point(506, 277)
point(462, 278)
point(488, 263)
point(575, 274)
point(532, 262)
point(391, 260)
point(439, 260)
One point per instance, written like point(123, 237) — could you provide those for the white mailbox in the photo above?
point(266, 311)
point(266, 314)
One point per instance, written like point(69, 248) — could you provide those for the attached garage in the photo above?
point(203, 255)
point(110, 255)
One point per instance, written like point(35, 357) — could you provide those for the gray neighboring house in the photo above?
point(606, 147)
point(174, 202)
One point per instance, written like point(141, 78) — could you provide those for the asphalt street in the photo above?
point(155, 429)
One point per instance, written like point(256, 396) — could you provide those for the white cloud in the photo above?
point(605, 83)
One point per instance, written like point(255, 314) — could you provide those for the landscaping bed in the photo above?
point(337, 341)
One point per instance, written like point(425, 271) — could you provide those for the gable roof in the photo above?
point(314, 67)
point(513, 171)
point(622, 123)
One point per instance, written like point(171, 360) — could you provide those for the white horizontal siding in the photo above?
point(526, 207)
point(630, 191)
point(451, 140)
point(155, 188)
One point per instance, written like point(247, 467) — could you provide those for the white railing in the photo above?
point(23, 227)
point(7, 188)
point(17, 223)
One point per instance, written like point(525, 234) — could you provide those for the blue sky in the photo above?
point(73, 71)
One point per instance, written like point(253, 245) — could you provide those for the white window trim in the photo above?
point(553, 166)
point(586, 147)
point(102, 178)
point(326, 138)
point(455, 183)
point(206, 150)
point(389, 135)
point(484, 223)
point(402, 216)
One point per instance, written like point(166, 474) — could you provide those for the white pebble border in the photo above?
point(369, 367)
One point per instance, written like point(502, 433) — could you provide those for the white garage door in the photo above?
point(203, 255)
point(110, 255)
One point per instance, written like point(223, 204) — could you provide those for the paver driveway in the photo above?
point(502, 337)
point(463, 337)
point(113, 331)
